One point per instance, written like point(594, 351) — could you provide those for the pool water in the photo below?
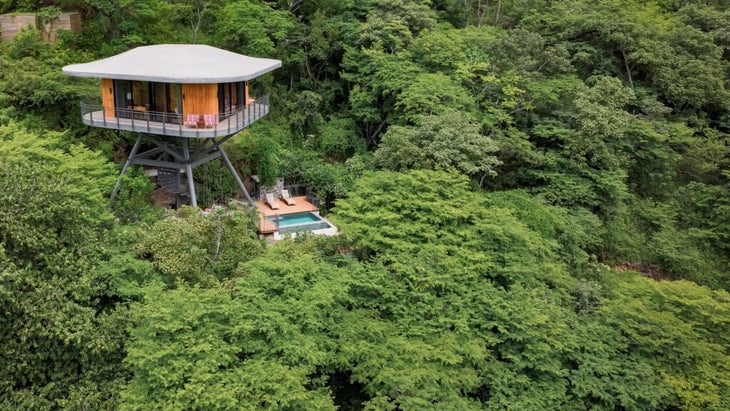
point(296, 219)
point(292, 223)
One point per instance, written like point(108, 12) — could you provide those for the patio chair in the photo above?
point(271, 201)
point(192, 120)
point(287, 197)
point(209, 120)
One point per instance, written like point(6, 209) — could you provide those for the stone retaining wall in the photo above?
point(11, 24)
point(275, 190)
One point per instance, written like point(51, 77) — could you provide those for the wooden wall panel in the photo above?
point(248, 98)
point(107, 96)
point(200, 99)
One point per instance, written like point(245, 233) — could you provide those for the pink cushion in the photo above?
point(192, 120)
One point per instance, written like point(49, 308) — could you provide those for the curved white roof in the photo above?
point(176, 63)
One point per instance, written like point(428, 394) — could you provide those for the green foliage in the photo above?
point(250, 27)
point(60, 347)
point(392, 24)
point(450, 141)
point(133, 203)
point(214, 184)
point(31, 83)
point(602, 128)
point(196, 248)
point(641, 42)
point(400, 212)
point(62, 277)
point(305, 113)
point(260, 155)
point(259, 344)
point(339, 138)
point(200, 355)
point(27, 43)
point(433, 94)
point(576, 230)
point(326, 180)
point(669, 333)
point(129, 23)
point(52, 202)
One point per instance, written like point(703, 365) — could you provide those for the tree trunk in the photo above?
point(200, 12)
point(626, 64)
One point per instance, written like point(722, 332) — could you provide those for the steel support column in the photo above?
point(235, 175)
point(132, 154)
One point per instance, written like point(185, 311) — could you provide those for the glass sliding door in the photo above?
point(230, 98)
point(145, 100)
point(165, 102)
point(174, 102)
point(123, 99)
point(159, 97)
point(240, 95)
point(141, 95)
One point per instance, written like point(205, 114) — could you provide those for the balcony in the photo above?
point(171, 124)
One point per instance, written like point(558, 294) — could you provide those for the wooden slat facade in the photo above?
point(200, 99)
point(107, 96)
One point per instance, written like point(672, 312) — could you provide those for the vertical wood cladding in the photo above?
point(200, 99)
point(107, 96)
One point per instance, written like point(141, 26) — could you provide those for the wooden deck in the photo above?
point(266, 226)
point(152, 122)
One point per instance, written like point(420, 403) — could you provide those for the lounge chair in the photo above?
point(209, 120)
point(192, 120)
point(287, 197)
point(271, 201)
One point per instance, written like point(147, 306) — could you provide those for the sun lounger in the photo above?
point(287, 197)
point(271, 201)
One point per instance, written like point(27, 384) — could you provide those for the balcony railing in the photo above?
point(172, 124)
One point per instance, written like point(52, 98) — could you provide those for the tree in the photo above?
point(194, 13)
point(198, 249)
point(659, 333)
point(431, 94)
point(53, 204)
point(259, 342)
point(439, 324)
point(450, 141)
point(62, 278)
point(252, 28)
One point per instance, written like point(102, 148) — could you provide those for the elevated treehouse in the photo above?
point(171, 94)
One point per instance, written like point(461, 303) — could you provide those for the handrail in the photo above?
point(174, 124)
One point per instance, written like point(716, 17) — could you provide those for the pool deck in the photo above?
point(267, 227)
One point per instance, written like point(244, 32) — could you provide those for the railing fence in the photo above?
point(157, 122)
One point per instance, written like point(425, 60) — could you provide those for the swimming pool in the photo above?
point(296, 219)
point(289, 223)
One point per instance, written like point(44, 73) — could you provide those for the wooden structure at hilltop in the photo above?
point(183, 100)
point(11, 24)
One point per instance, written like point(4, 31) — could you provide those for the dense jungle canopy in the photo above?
point(533, 199)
